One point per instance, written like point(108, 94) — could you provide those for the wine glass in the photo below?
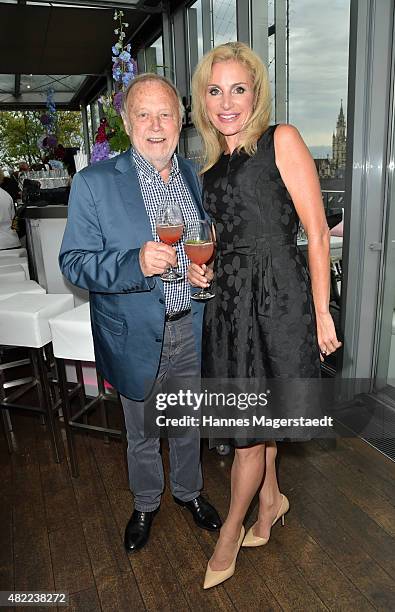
point(169, 227)
point(199, 248)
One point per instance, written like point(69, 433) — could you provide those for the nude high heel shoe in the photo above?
point(214, 577)
point(253, 540)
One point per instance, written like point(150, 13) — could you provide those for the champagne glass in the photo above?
point(199, 248)
point(169, 227)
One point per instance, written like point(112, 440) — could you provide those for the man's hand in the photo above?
point(156, 258)
point(200, 276)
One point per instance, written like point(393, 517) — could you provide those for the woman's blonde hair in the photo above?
point(213, 140)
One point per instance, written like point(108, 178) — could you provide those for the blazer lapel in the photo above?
point(132, 200)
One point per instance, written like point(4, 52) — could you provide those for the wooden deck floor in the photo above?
point(336, 551)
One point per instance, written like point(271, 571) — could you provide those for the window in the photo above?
point(195, 27)
point(154, 57)
point(317, 99)
point(318, 74)
point(224, 21)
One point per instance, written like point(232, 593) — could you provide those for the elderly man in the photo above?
point(143, 329)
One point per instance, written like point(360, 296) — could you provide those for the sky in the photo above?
point(318, 67)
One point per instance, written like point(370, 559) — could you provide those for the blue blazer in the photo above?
point(107, 224)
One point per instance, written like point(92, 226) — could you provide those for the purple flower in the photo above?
point(126, 78)
point(115, 50)
point(118, 102)
point(124, 56)
point(52, 141)
point(116, 72)
point(100, 151)
point(45, 119)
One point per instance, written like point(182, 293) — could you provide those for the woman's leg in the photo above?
point(246, 476)
point(269, 495)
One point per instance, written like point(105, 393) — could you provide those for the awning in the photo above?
point(65, 47)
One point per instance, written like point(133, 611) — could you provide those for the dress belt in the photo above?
point(176, 316)
point(251, 246)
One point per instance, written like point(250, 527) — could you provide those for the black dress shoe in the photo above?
point(137, 530)
point(204, 514)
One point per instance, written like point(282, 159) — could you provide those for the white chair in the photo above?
point(12, 274)
point(336, 246)
point(24, 322)
point(72, 340)
point(28, 286)
point(7, 262)
point(13, 253)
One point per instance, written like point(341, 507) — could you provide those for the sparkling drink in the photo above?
point(170, 234)
point(199, 248)
point(169, 227)
point(199, 251)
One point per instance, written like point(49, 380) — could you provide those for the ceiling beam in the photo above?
point(116, 4)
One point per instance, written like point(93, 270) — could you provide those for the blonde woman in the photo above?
point(267, 319)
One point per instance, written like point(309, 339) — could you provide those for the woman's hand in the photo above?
point(327, 339)
point(200, 276)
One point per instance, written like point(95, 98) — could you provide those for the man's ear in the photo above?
point(126, 126)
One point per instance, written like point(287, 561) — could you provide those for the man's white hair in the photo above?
point(147, 77)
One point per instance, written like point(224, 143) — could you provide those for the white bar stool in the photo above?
point(24, 322)
point(28, 286)
point(8, 290)
point(72, 340)
point(13, 252)
point(6, 262)
point(12, 274)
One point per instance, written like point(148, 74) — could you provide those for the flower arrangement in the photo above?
point(111, 136)
point(101, 148)
point(48, 142)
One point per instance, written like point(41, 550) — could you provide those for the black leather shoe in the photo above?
point(204, 514)
point(138, 529)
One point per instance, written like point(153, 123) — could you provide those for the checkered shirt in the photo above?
point(154, 190)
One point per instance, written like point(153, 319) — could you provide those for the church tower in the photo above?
point(339, 141)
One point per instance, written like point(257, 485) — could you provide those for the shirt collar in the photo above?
point(149, 171)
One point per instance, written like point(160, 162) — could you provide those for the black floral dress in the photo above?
point(261, 322)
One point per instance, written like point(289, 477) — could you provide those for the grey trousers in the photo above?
point(179, 358)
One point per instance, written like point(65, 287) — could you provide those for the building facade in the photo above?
point(335, 167)
point(339, 142)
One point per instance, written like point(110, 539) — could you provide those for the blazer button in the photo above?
point(158, 339)
point(161, 301)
